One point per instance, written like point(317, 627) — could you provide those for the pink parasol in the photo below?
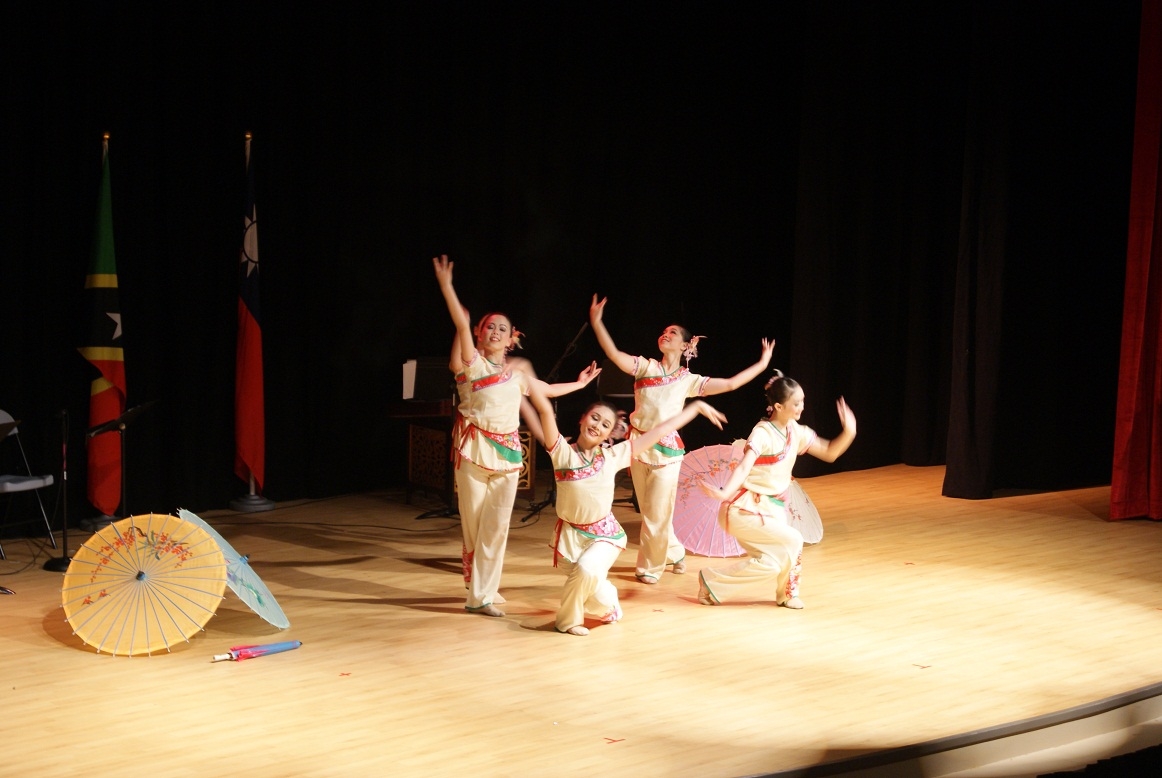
point(696, 513)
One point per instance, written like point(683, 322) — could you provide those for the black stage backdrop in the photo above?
point(924, 203)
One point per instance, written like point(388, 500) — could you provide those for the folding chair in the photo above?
point(22, 482)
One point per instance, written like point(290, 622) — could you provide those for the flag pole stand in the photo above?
point(97, 523)
point(251, 503)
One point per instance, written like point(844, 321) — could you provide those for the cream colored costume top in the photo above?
point(659, 396)
point(485, 431)
point(770, 476)
point(585, 496)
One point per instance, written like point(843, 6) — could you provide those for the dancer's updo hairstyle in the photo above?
point(779, 389)
point(691, 341)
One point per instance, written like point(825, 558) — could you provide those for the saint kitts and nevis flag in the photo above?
point(104, 350)
point(249, 414)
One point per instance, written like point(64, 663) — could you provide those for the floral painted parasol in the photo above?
point(241, 577)
point(695, 512)
point(142, 584)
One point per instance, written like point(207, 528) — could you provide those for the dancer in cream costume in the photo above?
point(486, 444)
point(754, 501)
point(660, 389)
point(588, 538)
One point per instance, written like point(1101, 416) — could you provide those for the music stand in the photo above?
point(119, 425)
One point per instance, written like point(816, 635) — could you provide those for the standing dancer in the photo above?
point(486, 443)
point(660, 389)
point(754, 497)
point(588, 537)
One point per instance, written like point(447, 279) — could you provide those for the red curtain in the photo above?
point(1136, 483)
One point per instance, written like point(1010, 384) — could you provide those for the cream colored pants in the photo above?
point(588, 590)
point(486, 498)
point(774, 558)
point(656, 489)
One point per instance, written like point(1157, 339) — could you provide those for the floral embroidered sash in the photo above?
point(604, 529)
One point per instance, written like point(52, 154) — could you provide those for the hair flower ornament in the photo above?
point(691, 350)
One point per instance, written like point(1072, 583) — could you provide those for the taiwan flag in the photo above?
point(104, 350)
point(249, 415)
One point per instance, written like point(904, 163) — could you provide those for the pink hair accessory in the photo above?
point(691, 350)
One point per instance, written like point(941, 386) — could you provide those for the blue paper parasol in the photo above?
point(242, 579)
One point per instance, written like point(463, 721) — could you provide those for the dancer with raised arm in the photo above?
point(754, 500)
point(660, 389)
point(588, 538)
point(486, 444)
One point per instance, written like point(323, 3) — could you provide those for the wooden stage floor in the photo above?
point(927, 619)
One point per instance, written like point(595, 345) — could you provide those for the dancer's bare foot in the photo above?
point(488, 610)
point(578, 630)
point(645, 578)
point(794, 604)
point(680, 566)
point(704, 594)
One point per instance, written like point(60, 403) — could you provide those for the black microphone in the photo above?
point(109, 425)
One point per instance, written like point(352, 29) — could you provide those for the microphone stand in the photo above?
point(61, 564)
point(552, 376)
point(119, 425)
point(551, 497)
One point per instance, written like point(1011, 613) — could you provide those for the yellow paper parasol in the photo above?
point(142, 584)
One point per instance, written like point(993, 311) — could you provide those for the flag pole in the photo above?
point(104, 350)
point(249, 399)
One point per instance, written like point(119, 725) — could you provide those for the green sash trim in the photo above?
point(506, 453)
point(618, 536)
